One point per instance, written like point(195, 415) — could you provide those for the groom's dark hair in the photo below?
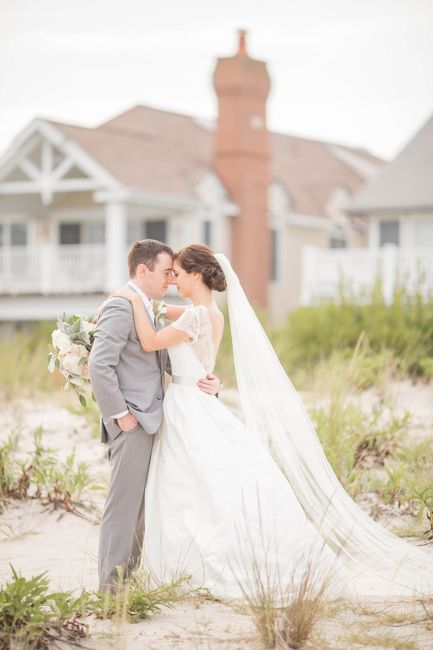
point(145, 252)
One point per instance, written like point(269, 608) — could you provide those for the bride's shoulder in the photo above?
point(209, 312)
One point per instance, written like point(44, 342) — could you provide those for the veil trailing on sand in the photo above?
point(274, 411)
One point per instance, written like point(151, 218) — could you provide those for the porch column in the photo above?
point(308, 274)
point(389, 271)
point(116, 266)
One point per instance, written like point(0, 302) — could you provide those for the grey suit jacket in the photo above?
point(123, 376)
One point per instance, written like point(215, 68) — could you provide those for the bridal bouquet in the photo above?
point(71, 344)
point(160, 310)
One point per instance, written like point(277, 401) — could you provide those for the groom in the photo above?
point(128, 384)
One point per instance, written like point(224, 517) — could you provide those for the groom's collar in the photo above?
point(147, 302)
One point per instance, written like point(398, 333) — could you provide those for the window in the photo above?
point(95, 232)
point(207, 233)
point(274, 255)
point(389, 233)
point(337, 238)
point(70, 233)
point(134, 231)
point(156, 230)
point(13, 233)
point(18, 234)
point(424, 233)
point(137, 230)
point(337, 242)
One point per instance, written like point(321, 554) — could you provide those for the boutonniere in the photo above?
point(160, 310)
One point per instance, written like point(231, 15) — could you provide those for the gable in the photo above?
point(406, 183)
point(41, 161)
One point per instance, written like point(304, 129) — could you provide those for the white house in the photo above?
point(72, 198)
point(397, 208)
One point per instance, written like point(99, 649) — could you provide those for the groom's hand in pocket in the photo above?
point(127, 422)
point(209, 384)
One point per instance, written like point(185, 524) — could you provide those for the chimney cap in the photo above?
point(242, 47)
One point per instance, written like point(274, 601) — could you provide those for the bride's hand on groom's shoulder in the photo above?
point(210, 384)
point(98, 311)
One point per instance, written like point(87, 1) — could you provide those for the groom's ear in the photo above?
point(141, 270)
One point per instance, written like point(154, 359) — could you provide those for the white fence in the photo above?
point(326, 271)
point(52, 269)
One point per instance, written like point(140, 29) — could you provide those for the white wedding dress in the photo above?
point(216, 502)
point(231, 505)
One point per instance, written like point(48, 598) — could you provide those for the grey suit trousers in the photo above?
point(124, 378)
point(122, 525)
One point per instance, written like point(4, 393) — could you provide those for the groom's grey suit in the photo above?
point(124, 377)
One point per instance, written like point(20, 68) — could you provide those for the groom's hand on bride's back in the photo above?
point(209, 384)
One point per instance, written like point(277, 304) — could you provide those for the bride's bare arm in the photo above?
point(174, 311)
point(149, 339)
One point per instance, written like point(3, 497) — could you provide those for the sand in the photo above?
point(35, 539)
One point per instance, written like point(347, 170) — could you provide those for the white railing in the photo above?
point(50, 269)
point(326, 271)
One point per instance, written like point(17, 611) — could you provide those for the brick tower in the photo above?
point(242, 159)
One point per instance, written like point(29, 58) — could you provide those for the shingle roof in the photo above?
point(166, 152)
point(406, 184)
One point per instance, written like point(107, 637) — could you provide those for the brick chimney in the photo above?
point(242, 159)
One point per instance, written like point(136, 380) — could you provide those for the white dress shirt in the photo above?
point(148, 303)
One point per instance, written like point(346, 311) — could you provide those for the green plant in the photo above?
point(392, 488)
point(286, 614)
point(32, 617)
point(426, 367)
point(402, 329)
point(41, 475)
point(6, 472)
point(357, 442)
point(296, 622)
point(138, 597)
point(59, 484)
point(421, 491)
point(24, 361)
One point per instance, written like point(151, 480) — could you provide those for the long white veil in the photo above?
point(274, 411)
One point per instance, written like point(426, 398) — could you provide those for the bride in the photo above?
point(226, 500)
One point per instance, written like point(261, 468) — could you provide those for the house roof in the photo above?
point(406, 184)
point(161, 151)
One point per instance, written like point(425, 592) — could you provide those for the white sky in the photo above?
point(353, 71)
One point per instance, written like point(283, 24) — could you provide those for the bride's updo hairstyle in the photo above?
point(199, 258)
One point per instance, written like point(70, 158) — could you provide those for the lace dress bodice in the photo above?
point(188, 359)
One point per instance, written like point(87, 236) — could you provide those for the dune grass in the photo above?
point(399, 334)
point(32, 616)
point(285, 611)
point(404, 327)
point(39, 474)
point(24, 361)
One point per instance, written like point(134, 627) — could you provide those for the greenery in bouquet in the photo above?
point(71, 344)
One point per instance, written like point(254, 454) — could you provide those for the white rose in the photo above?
point(78, 350)
point(71, 363)
point(85, 370)
point(83, 385)
point(61, 341)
